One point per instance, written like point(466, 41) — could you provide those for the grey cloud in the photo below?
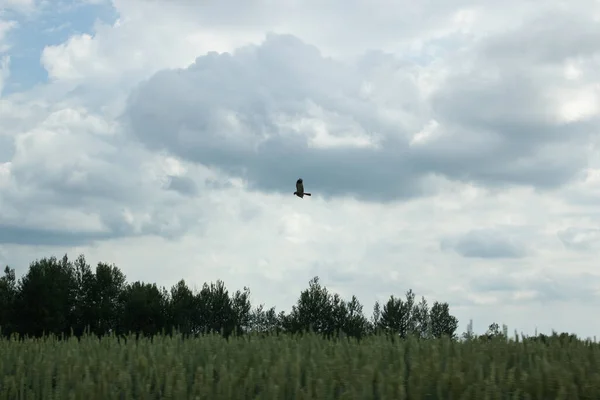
point(167, 219)
point(580, 238)
point(217, 184)
point(6, 148)
point(494, 133)
point(47, 236)
point(375, 23)
point(183, 185)
point(550, 37)
point(485, 244)
point(331, 272)
point(545, 287)
point(494, 283)
point(258, 85)
point(93, 174)
point(500, 106)
point(583, 287)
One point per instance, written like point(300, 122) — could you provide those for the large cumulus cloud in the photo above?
point(69, 178)
point(271, 113)
point(373, 129)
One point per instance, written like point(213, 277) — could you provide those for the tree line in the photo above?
point(65, 297)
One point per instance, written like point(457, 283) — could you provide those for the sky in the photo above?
point(450, 146)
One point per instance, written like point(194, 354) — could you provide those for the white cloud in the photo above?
point(486, 244)
point(18, 5)
point(5, 27)
point(4, 71)
point(430, 139)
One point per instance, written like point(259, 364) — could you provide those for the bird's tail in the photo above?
point(307, 194)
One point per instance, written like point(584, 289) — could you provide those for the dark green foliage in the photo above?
point(46, 298)
point(66, 297)
point(321, 312)
point(109, 284)
point(183, 313)
point(143, 309)
point(8, 294)
point(442, 323)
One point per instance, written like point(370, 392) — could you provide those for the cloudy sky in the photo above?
point(451, 147)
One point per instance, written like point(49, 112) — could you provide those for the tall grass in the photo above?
point(282, 367)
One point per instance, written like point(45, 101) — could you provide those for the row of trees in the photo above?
point(64, 296)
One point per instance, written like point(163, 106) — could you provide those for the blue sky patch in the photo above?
point(51, 26)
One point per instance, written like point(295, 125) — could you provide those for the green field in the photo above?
point(283, 367)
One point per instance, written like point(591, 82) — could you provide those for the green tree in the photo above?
point(8, 292)
point(441, 322)
point(349, 318)
point(183, 311)
point(109, 285)
point(397, 316)
point(85, 310)
point(326, 314)
point(215, 309)
point(313, 311)
point(421, 319)
point(240, 304)
point(375, 322)
point(46, 298)
point(262, 321)
point(144, 309)
point(57, 296)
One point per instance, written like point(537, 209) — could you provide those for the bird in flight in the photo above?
point(300, 189)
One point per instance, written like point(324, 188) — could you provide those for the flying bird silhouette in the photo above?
point(300, 189)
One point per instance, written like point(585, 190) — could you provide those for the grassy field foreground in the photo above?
point(296, 368)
